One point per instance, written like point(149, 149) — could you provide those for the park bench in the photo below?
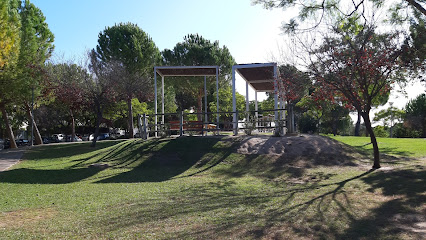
point(186, 126)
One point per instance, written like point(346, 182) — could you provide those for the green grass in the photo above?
point(400, 147)
point(200, 188)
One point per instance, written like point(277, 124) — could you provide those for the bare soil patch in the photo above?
point(301, 150)
point(25, 217)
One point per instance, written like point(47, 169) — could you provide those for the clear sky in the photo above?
point(251, 33)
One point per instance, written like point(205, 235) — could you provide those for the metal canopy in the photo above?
point(186, 70)
point(260, 76)
point(181, 71)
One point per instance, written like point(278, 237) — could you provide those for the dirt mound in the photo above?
point(302, 149)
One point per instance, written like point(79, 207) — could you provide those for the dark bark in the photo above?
point(373, 139)
point(334, 122)
point(37, 135)
point(9, 130)
point(72, 126)
point(98, 123)
point(417, 5)
point(130, 117)
point(358, 125)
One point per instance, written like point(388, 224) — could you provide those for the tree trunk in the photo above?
point(37, 136)
point(369, 128)
point(334, 122)
point(200, 104)
point(358, 125)
point(72, 126)
point(98, 123)
point(8, 127)
point(130, 117)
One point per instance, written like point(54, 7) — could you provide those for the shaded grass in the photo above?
point(200, 188)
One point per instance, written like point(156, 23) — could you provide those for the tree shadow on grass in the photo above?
point(35, 176)
point(401, 214)
point(226, 210)
point(66, 149)
point(165, 159)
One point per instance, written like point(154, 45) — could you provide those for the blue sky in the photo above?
point(251, 33)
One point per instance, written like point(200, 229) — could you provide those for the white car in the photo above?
point(60, 137)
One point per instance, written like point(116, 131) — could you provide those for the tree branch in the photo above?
point(417, 5)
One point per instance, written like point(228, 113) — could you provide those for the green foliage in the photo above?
point(381, 131)
point(9, 35)
point(225, 104)
point(416, 114)
point(197, 51)
point(36, 48)
point(403, 130)
point(308, 124)
point(130, 45)
point(311, 14)
point(117, 112)
point(128, 50)
point(386, 115)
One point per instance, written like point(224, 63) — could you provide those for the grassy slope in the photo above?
point(200, 188)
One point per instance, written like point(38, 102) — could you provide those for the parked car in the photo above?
point(46, 140)
point(1, 144)
point(53, 139)
point(60, 137)
point(6, 143)
point(21, 142)
point(102, 136)
point(69, 137)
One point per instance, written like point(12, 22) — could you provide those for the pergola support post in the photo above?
point(144, 123)
point(256, 114)
point(205, 102)
point(247, 105)
point(162, 101)
point(234, 104)
point(217, 100)
point(155, 102)
point(181, 123)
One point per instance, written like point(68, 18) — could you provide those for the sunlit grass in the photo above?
point(409, 147)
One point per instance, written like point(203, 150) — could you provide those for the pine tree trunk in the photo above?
point(130, 117)
point(334, 122)
point(358, 125)
point(37, 135)
point(98, 123)
point(369, 128)
point(8, 127)
point(72, 126)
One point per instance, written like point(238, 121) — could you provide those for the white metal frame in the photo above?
point(236, 68)
point(157, 70)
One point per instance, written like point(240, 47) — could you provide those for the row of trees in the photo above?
point(117, 75)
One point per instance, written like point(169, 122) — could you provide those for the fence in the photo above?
point(182, 123)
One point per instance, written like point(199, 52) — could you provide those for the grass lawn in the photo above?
point(200, 188)
point(400, 147)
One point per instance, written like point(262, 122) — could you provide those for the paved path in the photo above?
point(10, 157)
